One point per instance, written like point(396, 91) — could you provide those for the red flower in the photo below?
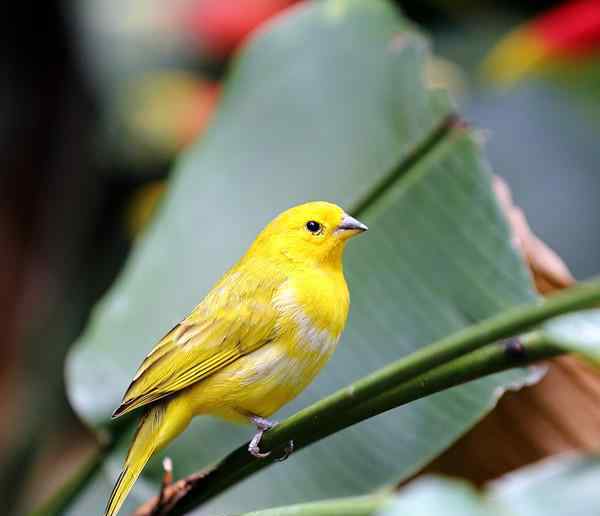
point(572, 28)
point(569, 31)
point(222, 25)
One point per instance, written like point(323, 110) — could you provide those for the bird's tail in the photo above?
point(159, 425)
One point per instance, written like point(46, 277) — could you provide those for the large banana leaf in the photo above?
point(565, 485)
point(578, 333)
point(328, 103)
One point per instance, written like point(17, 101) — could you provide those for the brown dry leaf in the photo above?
point(549, 272)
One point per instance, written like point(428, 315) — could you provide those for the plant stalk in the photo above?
point(444, 364)
point(306, 430)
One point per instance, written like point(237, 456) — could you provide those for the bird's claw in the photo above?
point(255, 452)
point(263, 425)
point(287, 451)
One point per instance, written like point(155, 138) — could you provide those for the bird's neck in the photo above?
point(284, 254)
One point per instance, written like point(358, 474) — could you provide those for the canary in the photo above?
point(254, 343)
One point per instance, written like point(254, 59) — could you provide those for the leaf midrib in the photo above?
point(436, 137)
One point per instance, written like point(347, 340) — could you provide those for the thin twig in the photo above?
point(167, 481)
point(170, 495)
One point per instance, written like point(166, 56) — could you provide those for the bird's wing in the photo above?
point(236, 318)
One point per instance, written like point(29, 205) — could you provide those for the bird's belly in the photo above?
point(263, 381)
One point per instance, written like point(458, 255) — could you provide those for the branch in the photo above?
point(188, 493)
point(449, 362)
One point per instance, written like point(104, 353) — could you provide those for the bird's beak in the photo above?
point(351, 224)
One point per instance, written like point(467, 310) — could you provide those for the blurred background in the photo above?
point(100, 96)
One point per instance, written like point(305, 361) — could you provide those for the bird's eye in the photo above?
point(313, 226)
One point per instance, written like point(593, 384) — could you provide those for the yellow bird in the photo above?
point(253, 344)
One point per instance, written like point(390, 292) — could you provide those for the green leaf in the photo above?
point(352, 506)
point(306, 114)
point(560, 486)
point(564, 485)
point(325, 103)
point(578, 332)
point(433, 496)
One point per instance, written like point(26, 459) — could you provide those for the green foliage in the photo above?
point(327, 103)
point(561, 486)
point(431, 496)
point(352, 506)
point(578, 332)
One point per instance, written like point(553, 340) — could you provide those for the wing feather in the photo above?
point(236, 318)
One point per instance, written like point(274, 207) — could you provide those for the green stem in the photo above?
point(60, 500)
point(306, 430)
point(475, 365)
point(401, 382)
point(353, 506)
point(508, 323)
point(369, 396)
point(63, 498)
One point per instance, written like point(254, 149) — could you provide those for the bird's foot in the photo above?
point(255, 450)
point(263, 423)
point(262, 426)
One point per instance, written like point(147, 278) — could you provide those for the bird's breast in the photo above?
point(308, 328)
point(311, 317)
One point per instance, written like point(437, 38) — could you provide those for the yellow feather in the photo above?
point(254, 343)
point(156, 428)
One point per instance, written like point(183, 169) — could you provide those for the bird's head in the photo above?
point(314, 233)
